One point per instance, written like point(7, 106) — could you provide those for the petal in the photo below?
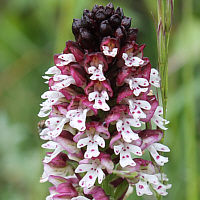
point(126, 159)
point(160, 160)
point(118, 148)
point(77, 119)
point(53, 70)
point(161, 189)
point(136, 111)
point(99, 140)
point(161, 147)
point(83, 142)
point(143, 104)
point(83, 168)
point(154, 78)
point(107, 52)
point(92, 150)
point(132, 61)
point(101, 175)
point(89, 179)
point(134, 149)
point(50, 145)
point(52, 95)
point(141, 81)
point(143, 188)
point(97, 74)
point(65, 83)
point(80, 198)
point(53, 155)
point(93, 95)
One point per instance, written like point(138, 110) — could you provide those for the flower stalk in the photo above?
point(165, 14)
point(100, 110)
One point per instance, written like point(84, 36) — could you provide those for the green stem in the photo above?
point(163, 33)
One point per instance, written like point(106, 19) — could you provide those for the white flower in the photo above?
point(136, 107)
point(159, 121)
point(97, 73)
point(52, 98)
point(160, 160)
point(154, 78)
point(92, 142)
point(56, 124)
point(62, 81)
point(52, 145)
point(135, 83)
point(125, 149)
point(109, 52)
point(77, 118)
point(94, 171)
point(51, 169)
point(52, 70)
point(100, 98)
point(143, 186)
point(131, 60)
point(124, 127)
point(66, 59)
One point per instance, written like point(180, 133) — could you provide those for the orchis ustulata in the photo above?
point(98, 103)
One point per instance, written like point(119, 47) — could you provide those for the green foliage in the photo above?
point(32, 31)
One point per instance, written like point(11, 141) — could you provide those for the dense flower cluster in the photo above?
point(102, 113)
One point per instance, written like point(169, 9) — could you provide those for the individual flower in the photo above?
point(158, 120)
point(94, 136)
point(99, 92)
point(154, 78)
point(53, 98)
point(94, 167)
point(78, 109)
point(57, 166)
point(125, 149)
point(160, 160)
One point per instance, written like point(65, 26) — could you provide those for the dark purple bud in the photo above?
point(76, 27)
point(109, 9)
point(126, 22)
point(115, 21)
point(100, 15)
point(105, 28)
point(86, 39)
point(87, 19)
point(132, 34)
point(120, 33)
point(95, 8)
point(119, 11)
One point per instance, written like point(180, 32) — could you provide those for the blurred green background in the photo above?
point(33, 31)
